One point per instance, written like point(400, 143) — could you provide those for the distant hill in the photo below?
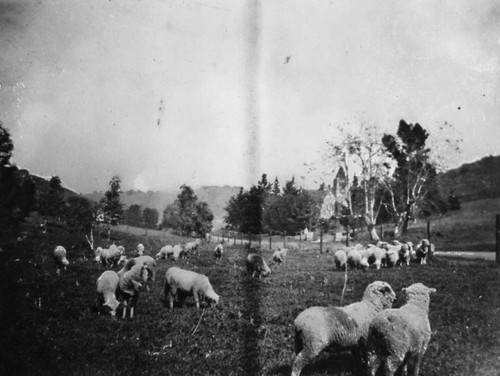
point(473, 181)
point(42, 184)
point(215, 196)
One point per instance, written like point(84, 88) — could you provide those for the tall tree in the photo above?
point(276, 190)
point(6, 146)
point(80, 215)
point(150, 218)
point(110, 207)
point(133, 215)
point(52, 203)
point(413, 180)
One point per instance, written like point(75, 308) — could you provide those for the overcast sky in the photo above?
point(209, 92)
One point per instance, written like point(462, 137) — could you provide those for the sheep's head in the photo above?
point(97, 254)
point(122, 260)
point(112, 303)
point(144, 273)
point(418, 294)
point(121, 248)
point(380, 292)
point(140, 248)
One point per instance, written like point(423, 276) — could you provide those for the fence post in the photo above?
point(300, 241)
point(497, 258)
point(249, 240)
point(234, 238)
point(429, 229)
point(260, 238)
point(284, 239)
point(348, 229)
point(270, 241)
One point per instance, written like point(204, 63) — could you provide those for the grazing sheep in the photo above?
point(339, 328)
point(97, 254)
point(107, 284)
point(139, 250)
point(60, 259)
point(130, 284)
point(355, 260)
point(340, 259)
point(178, 252)
point(218, 251)
point(392, 256)
point(191, 246)
point(165, 252)
point(151, 264)
point(180, 283)
point(257, 266)
point(279, 255)
point(377, 257)
point(398, 338)
point(110, 257)
point(424, 250)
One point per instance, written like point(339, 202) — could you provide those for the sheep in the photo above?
point(340, 259)
point(257, 266)
point(392, 256)
point(424, 250)
point(355, 260)
point(178, 252)
point(60, 259)
point(110, 257)
point(97, 254)
point(180, 283)
point(377, 257)
point(404, 254)
point(218, 251)
point(107, 284)
point(151, 264)
point(339, 328)
point(191, 246)
point(165, 252)
point(139, 250)
point(279, 255)
point(398, 338)
point(130, 284)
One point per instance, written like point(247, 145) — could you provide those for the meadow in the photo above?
point(50, 324)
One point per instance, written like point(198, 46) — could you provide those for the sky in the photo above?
point(209, 92)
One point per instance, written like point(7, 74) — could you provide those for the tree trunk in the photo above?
point(373, 233)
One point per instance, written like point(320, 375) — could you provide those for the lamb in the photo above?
point(279, 255)
point(165, 252)
point(107, 284)
point(340, 259)
point(398, 338)
point(355, 260)
point(339, 328)
point(257, 266)
point(60, 259)
point(218, 251)
point(130, 284)
point(179, 283)
point(424, 250)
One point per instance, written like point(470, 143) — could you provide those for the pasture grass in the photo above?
point(249, 333)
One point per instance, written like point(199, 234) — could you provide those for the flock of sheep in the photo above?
point(381, 338)
point(383, 254)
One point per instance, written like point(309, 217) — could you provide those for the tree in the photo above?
point(150, 218)
point(52, 203)
point(186, 214)
point(6, 146)
point(235, 211)
point(413, 184)
point(80, 214)
point(276, 190)
point(133, 215)
point(110, 207)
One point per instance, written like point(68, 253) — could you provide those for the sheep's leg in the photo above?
point(414, 365)
point(171, 301)
point(196, 299)
point(300, 362)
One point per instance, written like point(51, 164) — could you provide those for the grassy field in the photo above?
point(50, 326)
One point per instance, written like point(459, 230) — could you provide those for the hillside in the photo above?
point(215, 196)
point(473, 181)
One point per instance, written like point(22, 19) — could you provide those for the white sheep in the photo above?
point(110, 257)
point(377, 257)
point(60, 259)
point(355, 260)
point(257, 266)
point(424, 250)
point(191, 246)
point(340, 259)
point(130, 284)
point(165, 252)
point(139, 250)
point(279, 255)
point(405, 253)
point(97, 254)
point(179, 283)
point(218, 251)
point(107, 284)
point(178, 252)
point(392, 256)
point(339, 328)
point(151, 264)
point(398, 338)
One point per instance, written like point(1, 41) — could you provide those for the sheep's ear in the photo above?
point(432, 290)
point(403, 290)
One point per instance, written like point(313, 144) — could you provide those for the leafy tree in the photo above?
point(150, 217)
point(110, 207)
point(264, 185)
point(413, 185)
point(52, 203)
point(276, 190)
point(187, 214)
point(6, 146)
point(80, 214)
point(133, 215)
point(235, 211)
